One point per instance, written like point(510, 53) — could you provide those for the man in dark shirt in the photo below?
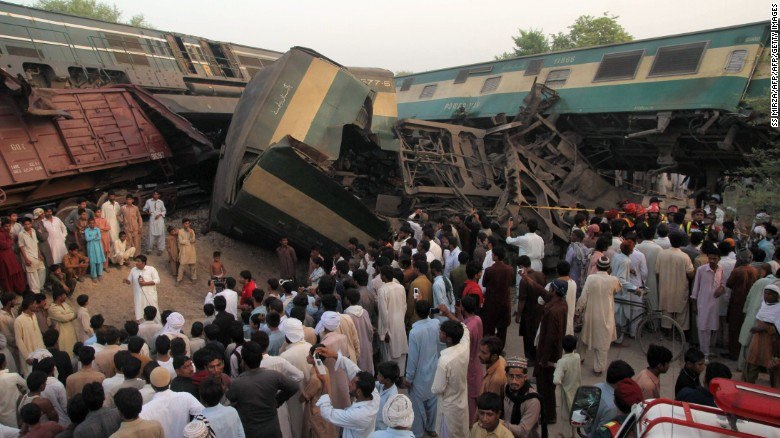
point(100, 421)
point(701, 395)
point(689, 376)
point(61, 358)
point(257, 392)
point(183, 380)
point(223, 319)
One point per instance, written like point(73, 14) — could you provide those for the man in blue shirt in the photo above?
point(424, 348)
point(617, 371)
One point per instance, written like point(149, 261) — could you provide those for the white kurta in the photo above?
point(450, 386)
point(57, 235)
point(110, 214)
point(144, 295)
point(391, 301)
point(156, 225)
point(532, 245)
point(36, 271)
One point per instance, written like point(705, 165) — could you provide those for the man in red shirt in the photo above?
point(248, 286)
point(471, 285)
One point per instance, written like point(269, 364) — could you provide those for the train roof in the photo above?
point(125, 25)
point(580, 49)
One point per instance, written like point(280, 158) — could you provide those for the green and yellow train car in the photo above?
point(638, 105)
point(305, 139)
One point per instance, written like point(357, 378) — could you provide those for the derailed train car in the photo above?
point(308, 155)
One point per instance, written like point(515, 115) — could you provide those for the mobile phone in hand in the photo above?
point(416, 293)
point(320, 366)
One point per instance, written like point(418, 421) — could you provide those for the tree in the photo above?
point(90, 9)
point(529, 42)
point(585, 32)
point(82, 8)
point(403, 73)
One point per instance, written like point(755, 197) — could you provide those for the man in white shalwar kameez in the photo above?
point(32, 257)
point(391, 329)
point(157, 233)
point(57, 235)
point(110, 210)
point(144, 279)
point(449, 382)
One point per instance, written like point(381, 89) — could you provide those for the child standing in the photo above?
point(217, 268)
point(567, 376)
point(172, 246)
point(83, 330)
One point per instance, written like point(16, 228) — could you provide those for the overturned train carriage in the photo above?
point(309, 154)
point(57, 143)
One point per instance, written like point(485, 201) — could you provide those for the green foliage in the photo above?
point(139, 21)
point(90, 9)
point(82, 8)
point(403, 73)
point(586, 31)
point(760, 191)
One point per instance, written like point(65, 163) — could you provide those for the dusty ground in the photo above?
point(114, 299)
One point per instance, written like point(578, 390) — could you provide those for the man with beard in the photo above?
point(522, 406)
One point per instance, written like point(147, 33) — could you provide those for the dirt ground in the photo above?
point(114, 299)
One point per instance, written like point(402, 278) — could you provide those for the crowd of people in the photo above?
point(402, 337)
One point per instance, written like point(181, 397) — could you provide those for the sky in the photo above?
point(420, 35)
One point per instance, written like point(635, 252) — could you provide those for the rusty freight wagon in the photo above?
point(56, 143)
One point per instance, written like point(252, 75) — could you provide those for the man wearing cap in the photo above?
point(549, 349)
point(762, 350)
point(627, 394)
point(296, 352)
point(57, 235)
point(697, 225)
point(398, 415)
point(522, 405)
point(171, 409)
point(339, 390)
point(597, 309)
point(673, 270)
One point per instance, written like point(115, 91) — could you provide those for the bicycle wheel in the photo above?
point(662, 330)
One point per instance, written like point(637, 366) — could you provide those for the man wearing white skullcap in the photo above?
point(765, 242)
point(296, 351)
point(398, 416)
point(197, 429)
point(597, 308)
point(172, 329)
point(339, 390)
point(762, 343)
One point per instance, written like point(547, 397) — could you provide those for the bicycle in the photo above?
point(651, 327)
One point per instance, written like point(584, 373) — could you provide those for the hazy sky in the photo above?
point(423, 34)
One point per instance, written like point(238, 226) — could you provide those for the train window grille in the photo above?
point(406, 84)
point(534, 67)
point(736, 61)
point(681, 59)
point(466, 72)
point(616, 66)
point(250, 61)
point(490, 85)
point(556, 78)
point(428, 91)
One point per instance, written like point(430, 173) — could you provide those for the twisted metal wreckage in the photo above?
point(313, 154)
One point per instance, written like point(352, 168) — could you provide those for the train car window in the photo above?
point(490, 85)
point(534, 67)
point(27, 52)
point(682, 59)
point(556, 78)
point(406, 84)
point(428, 91)
point(736, 61)
point(616, 66)
point(466, 72)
